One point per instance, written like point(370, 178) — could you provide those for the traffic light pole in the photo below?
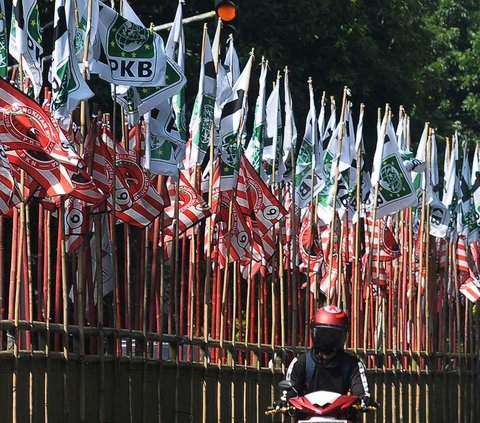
point(200, 17)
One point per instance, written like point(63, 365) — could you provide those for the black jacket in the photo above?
point(343, 373)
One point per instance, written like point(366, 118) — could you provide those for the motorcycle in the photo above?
point(320, 406)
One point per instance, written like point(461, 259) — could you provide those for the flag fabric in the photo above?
point(395, 189)
point(305, 160)
point(25, 125)
point(85, 26)
point(3, 41)
point(127, 53)
point(290, 129)
point(68, 85)
point(475, 181)
point(51, 175)
point(255, 199)
point(471, 289)
point(462, 258)
point(102, 171)
point(26, 40)
point(203, 110)
point(254, 148)
point(10, 194)
point(237, 238)
point(137, 101)
point(439, 214)
point(467, 220)
point(76, 225)
point(232, 119)
point(191, 206)
point(165, 148)
point(272, 153)
point(175, 50)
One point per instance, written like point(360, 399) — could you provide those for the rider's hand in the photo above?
point(280, 403)
point(364, 402)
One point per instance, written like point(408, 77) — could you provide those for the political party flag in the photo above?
point(25, 125)
point(68, 85)
point(290, 129)
point(305, 160)
point(26, 40)
point(3, 41)
point(395, 189)
point(127, 53)
point(272, 153)
point(254, 148)
point(232, 120)
point(165, 149)
point(203, 110)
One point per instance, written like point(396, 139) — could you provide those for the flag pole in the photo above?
point(372, 234)
point(294, 273)
point(356, 269)
point(335, 189)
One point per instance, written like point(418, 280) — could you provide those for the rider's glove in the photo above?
point(280, 403)
point(364, 402)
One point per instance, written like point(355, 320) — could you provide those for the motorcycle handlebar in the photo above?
point(280, 410)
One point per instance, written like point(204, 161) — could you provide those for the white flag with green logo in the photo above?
point(439, 214)
point(165, 148)
point(175, 50)
point(85, 24)
point(395, 189)
point(273, 147)
point(127, 53)
point(68, 86)
point(475, 181)
point(26, 40)
point(3, 41)
point(231, 125)
point(202, 116)
point(290, 129)
point(255, 146)
point(137, 101)
point(305, 187)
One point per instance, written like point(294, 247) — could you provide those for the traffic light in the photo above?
point(227, 10)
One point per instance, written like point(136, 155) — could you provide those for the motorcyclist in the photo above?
point(327, 366)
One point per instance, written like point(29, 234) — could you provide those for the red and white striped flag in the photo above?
point(9, 192)
point(255, 198)
point(471, 289)
point(462, 259)
point(77, 223)
point(50, 174)
point(191, 207)
point(25, 125)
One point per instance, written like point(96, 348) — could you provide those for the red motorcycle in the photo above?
point(320, 406)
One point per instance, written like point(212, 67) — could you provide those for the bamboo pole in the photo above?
point(335, 189)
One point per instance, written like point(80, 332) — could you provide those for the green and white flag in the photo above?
point(231, 126)
point(26, 40)
point(175, 50)
point(68, 86)
point(165, 148)
point(137, 101)
point(439, 215)
point(127, 53)
point(273, 147)
point(202, 116)
point(475, 181)
point(305, 160)
point(3, 41)
point(85, 24)
point(255, 146)
point(395, 189)
point(290, 129)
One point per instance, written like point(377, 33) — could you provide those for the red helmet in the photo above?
point(329, 327)
point(330, 316)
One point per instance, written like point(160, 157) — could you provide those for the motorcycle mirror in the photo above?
point(286, 385)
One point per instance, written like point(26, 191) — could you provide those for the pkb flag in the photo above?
point(127, 53)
